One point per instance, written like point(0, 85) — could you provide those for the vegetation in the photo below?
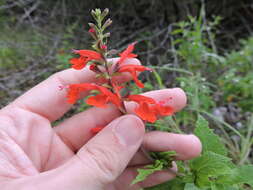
point(206, 48)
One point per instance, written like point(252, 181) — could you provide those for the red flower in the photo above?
point(99, 100)
point(85, 57)
point(90, 54)
point(103, 98)
point(149, 109)
point(127, 53)
point(74, 91)
point(164, 110)
point(146, 112)
point(140, 98)
point(133, 69)
point(78, 63)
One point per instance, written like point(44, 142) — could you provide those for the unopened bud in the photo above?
point(92, 30)
point(93, 13)
point(98, 11)
point(104, 47)
point(106, 35)
point(105, 12)
point(93, 67)
point(107, 23)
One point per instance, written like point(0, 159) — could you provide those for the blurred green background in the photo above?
point(204, 47)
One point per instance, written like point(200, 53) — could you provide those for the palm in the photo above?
point(37, 145)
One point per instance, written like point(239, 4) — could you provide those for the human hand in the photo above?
point(33, 155)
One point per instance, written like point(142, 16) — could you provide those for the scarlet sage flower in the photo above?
point(140, 98)
point(85, 57)
point(103, 98)
point(163, 110)
point(146, 112)
point(74, 91)
point(127, 53)
point(149, 109)
point(133, 69)
point(88, 53)
point(99, 100)
point(78, 63)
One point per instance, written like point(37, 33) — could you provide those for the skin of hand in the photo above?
point(36, 156)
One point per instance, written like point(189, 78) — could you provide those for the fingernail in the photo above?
point(130, 130)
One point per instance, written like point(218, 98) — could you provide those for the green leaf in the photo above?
point(223, 187)
point(175, 184)
point(208, 167)
point(148, 170)
point(209, 140)
point(190, 186)
point(244, 174)
point(165, 157)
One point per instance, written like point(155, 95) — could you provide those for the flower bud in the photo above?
point(106, 35)
point(92, 30)
point(91, 25)
point(104, 47)
point(93, 67)
point(105, 12)
point(93, 13)
point(107, 23)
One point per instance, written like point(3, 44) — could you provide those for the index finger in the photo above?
point(48, 101)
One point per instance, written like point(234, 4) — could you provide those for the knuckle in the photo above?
point(105, 161)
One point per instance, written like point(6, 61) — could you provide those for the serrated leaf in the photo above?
point(244, 174)
point(208, 167)
point(209, 140)
point(190, 186)
point(148, 170)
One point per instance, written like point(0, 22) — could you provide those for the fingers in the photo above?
point(75, 131)
point(186, 146)
point(48, 101)
point(102, 159)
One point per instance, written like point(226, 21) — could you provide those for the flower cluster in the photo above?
point(110, 91)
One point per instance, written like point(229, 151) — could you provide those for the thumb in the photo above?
point(100, 161)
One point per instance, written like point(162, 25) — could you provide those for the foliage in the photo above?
point(162, 161)
point(210, 142)
point(237, 79)
point(213, 170)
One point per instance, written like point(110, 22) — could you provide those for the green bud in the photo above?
point(93, 13)
point(98, 12)
point(105, 12)
point(106, 35)
point(107, 23)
